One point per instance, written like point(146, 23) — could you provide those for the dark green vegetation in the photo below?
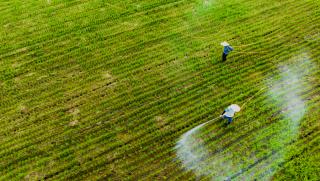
point(103, 89)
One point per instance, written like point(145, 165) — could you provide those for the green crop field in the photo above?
point(115, 90)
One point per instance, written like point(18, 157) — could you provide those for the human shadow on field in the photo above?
point(223, 123)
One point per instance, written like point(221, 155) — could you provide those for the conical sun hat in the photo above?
point(224, 43)
point(235, 107)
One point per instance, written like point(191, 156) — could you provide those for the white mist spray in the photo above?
point(190, 151)
point(285, 91)
point(288, 89)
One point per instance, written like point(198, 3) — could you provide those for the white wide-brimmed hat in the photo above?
point(235, 107)
point(224, 43)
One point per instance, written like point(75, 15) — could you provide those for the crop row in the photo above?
point(138, 113)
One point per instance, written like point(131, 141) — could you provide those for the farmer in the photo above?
point(229, 112)
point(226, 50)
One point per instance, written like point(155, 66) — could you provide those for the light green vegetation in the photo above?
point(104, 89)
point(259, 156)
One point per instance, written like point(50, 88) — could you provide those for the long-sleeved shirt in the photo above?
point(227, 49)
point(228, 112)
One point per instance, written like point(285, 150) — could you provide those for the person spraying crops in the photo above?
point(226, 50)
point(229, 112)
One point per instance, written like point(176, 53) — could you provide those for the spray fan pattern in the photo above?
point(259, 153)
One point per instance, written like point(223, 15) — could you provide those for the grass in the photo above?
point(101, 90)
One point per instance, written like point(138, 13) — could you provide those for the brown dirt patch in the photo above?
point(34, 176)
point(107, 75)
point(74, 111)
point(74, 123)
point(24, 109)
point(160, 121)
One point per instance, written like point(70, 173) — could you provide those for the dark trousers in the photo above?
point(224, 57)
point(228, 118)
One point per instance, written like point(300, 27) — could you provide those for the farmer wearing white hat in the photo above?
point(229, 112)
point(226, 50)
